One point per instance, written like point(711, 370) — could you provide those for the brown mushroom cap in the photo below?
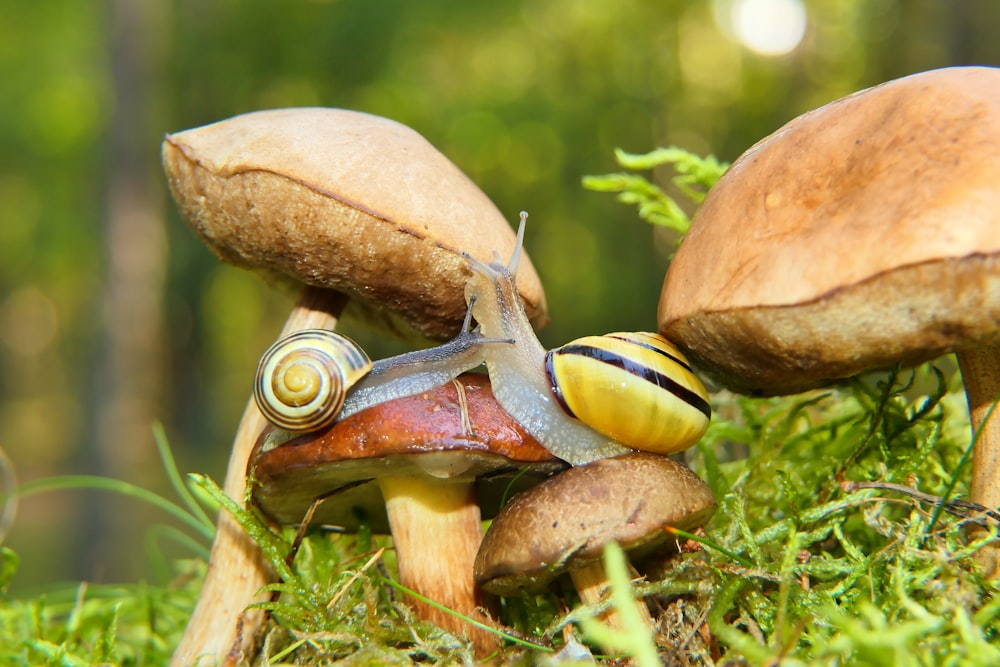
point(860, 234)
point(416, 436)
point(566, 521)
point(344, 200)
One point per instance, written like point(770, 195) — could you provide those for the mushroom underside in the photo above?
point(890, 318)
point(398, 273)
point(508, 579)
point(284, 494)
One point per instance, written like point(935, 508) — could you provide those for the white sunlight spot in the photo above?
point(768, 27)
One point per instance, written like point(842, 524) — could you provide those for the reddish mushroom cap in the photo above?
point(447, 433)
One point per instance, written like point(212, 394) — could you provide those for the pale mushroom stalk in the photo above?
point(980, 368)
point(591, 584)
point(421, 507)
point(221, 627)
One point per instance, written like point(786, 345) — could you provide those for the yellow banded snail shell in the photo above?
point(635, 387)
point(592, 410)
point(303, 378)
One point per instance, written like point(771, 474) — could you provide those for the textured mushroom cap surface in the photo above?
point(423, 435)
point(348, 201)
point(567, 520)
point(860, 234)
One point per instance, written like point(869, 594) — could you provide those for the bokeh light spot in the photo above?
point(767, 27)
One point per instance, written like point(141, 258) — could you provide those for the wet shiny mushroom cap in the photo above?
point(566, 521)
point(425, 468)
point(454, 434)
point(347, 201)
point(859, 235)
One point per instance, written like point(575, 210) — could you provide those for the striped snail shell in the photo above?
point(303, 378)
point(635, 387)
point(594, 398)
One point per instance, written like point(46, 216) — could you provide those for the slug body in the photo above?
point(584, 406)
point(312, 378)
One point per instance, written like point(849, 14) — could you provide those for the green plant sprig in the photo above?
point(634, 638)
point(695, 176)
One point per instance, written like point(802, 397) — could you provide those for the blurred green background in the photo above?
point(112, 315)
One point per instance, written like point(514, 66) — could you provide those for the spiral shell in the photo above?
point(594, 398)
point(634, 387)
point(302, 379)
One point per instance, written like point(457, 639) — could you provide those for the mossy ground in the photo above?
point(837, 541)
point(831, 546)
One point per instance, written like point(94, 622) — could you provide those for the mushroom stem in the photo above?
point(591, 582)
point(436, 530)
point(980, 368)
point(221, 630)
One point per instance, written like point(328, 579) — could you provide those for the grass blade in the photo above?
point(93, 482)
point(173, 474)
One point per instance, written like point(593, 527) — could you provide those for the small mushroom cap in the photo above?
point(566, 521)
point(423, 435)
point(348, 201)
point(859, 235)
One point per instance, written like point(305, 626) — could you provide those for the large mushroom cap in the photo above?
point(566, 521)
point(418, 436)
point(860, 234)
point(343, 200)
